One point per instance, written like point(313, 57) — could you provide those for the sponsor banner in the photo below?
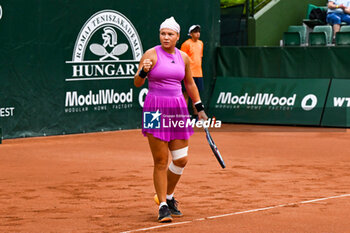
point(70, 67)
point(104, 99)
point(99, 76)
point(7, 109)
point(7, 112)
point(105, 59)
point(337, 108)
point(269, 101)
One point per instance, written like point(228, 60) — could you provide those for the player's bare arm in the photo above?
point(191, 87)
point(147, 62)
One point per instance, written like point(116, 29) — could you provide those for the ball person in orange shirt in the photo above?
point(194, 49)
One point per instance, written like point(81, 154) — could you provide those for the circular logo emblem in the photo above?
point(0, 12)
point(112, 24)
point(309, 102)
point(107, 47)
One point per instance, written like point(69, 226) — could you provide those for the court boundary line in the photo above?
point(237, 213)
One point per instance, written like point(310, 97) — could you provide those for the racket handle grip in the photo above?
point(204, 127)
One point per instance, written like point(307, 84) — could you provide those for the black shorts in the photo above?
point(199, 83)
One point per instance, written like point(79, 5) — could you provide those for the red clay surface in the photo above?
point(102, 182)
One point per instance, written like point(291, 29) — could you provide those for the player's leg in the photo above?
point(178, 150)
point(159, 150)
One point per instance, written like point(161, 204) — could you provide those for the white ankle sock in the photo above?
point(162, 203)
point(169, 197)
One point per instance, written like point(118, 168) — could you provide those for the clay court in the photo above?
point(278, 179)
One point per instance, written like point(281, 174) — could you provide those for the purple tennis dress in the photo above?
point(165, 97)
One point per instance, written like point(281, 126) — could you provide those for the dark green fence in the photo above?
point(337, 109)
point(257, 82)
point(291, 62)
point(67, 66)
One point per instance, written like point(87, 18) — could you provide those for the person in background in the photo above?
point(338, 12)
point(194, 49)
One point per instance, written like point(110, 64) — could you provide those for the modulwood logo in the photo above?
point(107, 47)
point(257, 99)
point(108, 96)
point(309, 102)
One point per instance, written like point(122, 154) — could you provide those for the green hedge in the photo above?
point(229, 3)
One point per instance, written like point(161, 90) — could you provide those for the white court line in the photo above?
point(236, 213)
point(160, 226)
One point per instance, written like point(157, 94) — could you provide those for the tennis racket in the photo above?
point(214, 148)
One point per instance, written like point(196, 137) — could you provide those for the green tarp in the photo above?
point(305, 71)
point(67, 66)
point(289, 62)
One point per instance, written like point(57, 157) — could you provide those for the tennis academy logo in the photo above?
point(107, 47)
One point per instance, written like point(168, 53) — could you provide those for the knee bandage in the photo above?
point(180, 153)
point(177, 154)
point(175, 169)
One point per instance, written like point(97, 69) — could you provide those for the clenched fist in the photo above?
point(147, 64)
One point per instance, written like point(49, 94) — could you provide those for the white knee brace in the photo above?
point(180, 153)
point(175, 169)
point(177, 154)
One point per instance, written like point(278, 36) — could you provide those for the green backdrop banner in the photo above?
point(310, 66)
point(276, 62)
point(269, 101)
point(68, 66)
point(338, 104)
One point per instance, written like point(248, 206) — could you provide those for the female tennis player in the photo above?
point(165, 66)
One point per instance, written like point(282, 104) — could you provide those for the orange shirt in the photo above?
point(195, 51)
